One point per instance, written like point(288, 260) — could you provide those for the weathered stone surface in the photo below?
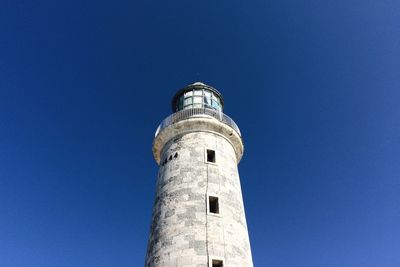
point(183, 233)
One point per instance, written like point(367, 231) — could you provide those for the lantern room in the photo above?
point(197, 95)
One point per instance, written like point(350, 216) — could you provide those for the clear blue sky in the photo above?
point(313, 85)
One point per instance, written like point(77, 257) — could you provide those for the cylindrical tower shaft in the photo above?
point(198, 216)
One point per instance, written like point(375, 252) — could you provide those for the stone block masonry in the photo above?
point(183, 232)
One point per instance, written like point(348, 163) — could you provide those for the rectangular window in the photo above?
point(213, 205)
point(188, 101)
point(198, 92)
point(180, 103)
point(210, 155)
point(197, 100)
point(217, 263)
point(190, 93)
point(215, 105)
point(207, 102)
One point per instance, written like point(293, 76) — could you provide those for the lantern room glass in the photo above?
point(199, 98)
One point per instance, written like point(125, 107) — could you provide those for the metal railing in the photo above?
point(197, 112)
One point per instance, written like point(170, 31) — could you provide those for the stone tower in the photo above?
point(198, 216)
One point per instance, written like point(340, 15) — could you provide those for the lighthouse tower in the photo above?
point(198, 216)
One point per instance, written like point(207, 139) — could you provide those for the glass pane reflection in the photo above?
point(197, 99)
point(198, 92)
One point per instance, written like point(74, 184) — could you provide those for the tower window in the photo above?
point(210, 155)
point(213, 205)
point(217, 263)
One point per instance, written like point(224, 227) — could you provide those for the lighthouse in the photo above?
point(198, 216)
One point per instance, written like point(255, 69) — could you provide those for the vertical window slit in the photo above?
point(210, 155)
point(213, 205)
